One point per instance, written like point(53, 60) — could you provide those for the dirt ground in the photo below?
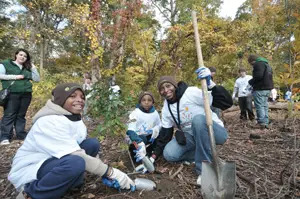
point(267, 164)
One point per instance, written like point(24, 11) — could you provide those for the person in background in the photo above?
point(17, 74)
point(262, 83)
point(244, 95)
point(87, 84)
point(87, 89)
point(213, 71)
point(115, 89)
point(143, 126)
point(288, 95)
point(273, 95)
point(57, 152)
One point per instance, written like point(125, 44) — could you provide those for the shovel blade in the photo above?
point(218, 183)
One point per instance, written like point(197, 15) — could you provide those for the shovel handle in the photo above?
point(201, 64)
point(204, 90)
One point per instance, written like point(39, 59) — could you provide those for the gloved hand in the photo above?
point(150, 131)
point(204, 73)
point(154, 134)
point(118, 180)
point(140, 152)
point(180, 137)
point(142, 167)
point(248, 90)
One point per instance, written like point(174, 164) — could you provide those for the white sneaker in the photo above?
point(199, 180)
point(4, 142)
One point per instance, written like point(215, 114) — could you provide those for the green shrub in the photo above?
point(111, 110)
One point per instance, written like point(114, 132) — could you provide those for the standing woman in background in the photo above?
point(18, 73)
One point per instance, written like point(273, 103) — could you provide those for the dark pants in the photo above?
point(14, 115)
point(57, 176)
point(245, 104)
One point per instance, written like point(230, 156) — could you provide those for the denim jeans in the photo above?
point(216, 111)
point(14, 115)
point(245, 104)
point(57, 176)
point(197, 147)
point(261, 104)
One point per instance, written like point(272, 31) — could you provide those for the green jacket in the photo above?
point(22, 85)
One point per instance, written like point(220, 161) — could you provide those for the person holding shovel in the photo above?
point(183, 110)
point(56, 152)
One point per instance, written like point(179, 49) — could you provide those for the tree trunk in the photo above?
point(42, 55)
point(96, 73)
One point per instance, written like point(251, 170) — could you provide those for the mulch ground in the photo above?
point(267, 164)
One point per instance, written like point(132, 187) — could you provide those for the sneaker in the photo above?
point(199, 180)
point(4, 142)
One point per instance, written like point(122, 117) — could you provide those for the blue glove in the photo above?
point(118, 180)
point(204, 73)
point(140, 152)
point(155, 133)
point(150, 131)
point(111, 183)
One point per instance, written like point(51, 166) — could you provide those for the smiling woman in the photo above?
point(16, 75)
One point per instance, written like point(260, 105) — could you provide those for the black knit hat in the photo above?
point(212, 69)
point(165, 79)
point(146, 93)
point(61, 92)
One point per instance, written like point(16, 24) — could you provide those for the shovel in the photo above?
point(218, 177)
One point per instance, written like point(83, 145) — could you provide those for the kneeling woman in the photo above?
point(56, 152)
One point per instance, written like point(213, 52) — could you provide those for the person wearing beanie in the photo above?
point(213, 71)
point(262, 83)
point(57, 152)
point(143, 126)
point(241, 87)
point(183, 110)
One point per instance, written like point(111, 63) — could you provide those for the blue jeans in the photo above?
point(260, 98)
point(197, 146)
point(57, 176)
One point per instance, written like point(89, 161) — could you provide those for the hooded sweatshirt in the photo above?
point(54, 134)
point(262, 75)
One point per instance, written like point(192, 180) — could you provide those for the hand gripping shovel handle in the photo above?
point(205, 92)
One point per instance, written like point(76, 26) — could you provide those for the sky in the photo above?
point(229, 8)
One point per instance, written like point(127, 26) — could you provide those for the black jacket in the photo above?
point(262, 76)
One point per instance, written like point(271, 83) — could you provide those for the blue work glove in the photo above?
point(140, 152)
point(155, 134)
point(111, 183)
point(204, 73)
point(149, 132)
point(118, 180)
